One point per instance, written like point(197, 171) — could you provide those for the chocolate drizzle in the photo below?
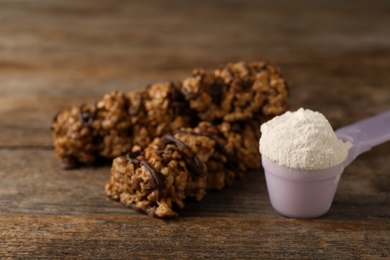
point(87, 117)
point(231, 160)
point(192, 162)
point(158, 177)
point(177, 100)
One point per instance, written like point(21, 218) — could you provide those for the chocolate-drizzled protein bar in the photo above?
point(237, 93)
point(182, 164)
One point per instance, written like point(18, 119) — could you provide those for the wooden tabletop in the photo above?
point(335, 56)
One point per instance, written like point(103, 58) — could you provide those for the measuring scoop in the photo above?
point(297, 193)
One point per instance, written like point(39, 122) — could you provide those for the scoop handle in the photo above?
point(365, 134)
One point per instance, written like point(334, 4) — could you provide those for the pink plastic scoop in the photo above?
point(299, 193)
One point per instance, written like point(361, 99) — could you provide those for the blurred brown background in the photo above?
point(334, 54)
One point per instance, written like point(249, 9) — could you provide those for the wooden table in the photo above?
point(335, 56)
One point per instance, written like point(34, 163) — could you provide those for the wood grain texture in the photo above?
point(192, 237)
point(335, 56)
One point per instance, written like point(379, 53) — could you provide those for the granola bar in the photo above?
point(111, 126)
point(237, 91)
point(182, 164)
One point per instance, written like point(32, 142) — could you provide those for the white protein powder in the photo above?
point(302, 140)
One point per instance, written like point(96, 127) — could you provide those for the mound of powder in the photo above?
point(302, 140)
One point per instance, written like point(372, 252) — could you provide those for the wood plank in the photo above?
point(188, 238)
point(108, 39)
